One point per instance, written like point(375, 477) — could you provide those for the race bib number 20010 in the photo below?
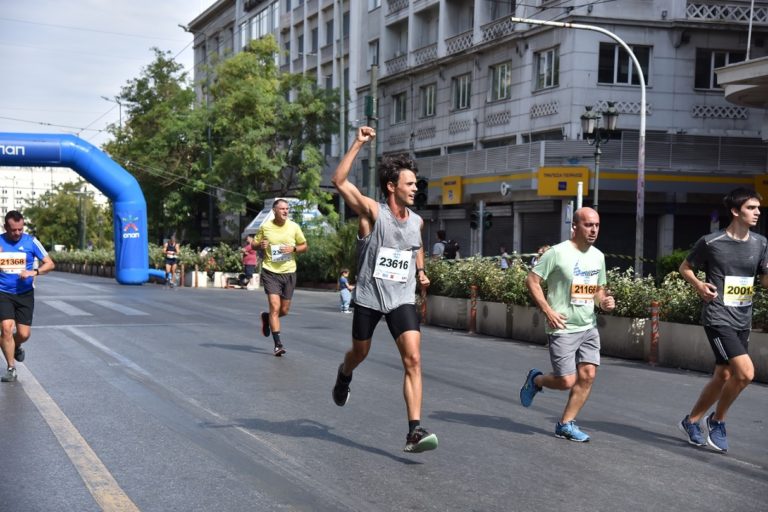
point(738, 291)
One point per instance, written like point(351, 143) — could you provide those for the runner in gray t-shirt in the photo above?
point(390, 262)
point(730, 258)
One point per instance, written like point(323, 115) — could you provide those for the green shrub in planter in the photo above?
point(633, 295)
point(679, 301)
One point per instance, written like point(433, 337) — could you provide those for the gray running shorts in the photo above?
point(569, 349)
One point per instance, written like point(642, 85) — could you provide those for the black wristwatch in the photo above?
point(419, 270)
point(37, 272)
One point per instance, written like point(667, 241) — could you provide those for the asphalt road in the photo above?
point(151, 399)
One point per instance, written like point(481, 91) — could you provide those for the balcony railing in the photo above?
point(683, 154)
point(734, 12)
point(497, 28)
point(425, 54)
point(459, 43)
point(397, 64)
point(394, 6)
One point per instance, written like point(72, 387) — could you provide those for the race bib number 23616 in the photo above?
point(392, 264)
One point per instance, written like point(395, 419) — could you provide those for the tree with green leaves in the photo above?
point(57, 216)
point(267, 130)
point(162, 145)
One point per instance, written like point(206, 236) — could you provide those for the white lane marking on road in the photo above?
point(66, 308)
point(79, 283)
point(97, 478)
point(96, 343)
point(119, 308)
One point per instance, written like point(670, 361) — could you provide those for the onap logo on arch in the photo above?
point(12, 150)
point(130, 227)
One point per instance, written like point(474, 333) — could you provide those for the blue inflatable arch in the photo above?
point(128, 204)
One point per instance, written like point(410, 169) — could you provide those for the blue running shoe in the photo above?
point(529, 389)
point(716, 436)
point(692, 431)
point(570, 431)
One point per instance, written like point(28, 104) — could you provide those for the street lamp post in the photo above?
point(596, 135)
point(640, 215)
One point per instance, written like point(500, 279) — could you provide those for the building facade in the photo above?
point(489, 104)
point(21, 185)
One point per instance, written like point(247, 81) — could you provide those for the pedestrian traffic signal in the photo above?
point(487, 220)
point(421, 197)
point(474, 219)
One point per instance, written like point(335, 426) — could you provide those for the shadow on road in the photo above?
point(486, 421)
point(310, 429)
point(240, 348)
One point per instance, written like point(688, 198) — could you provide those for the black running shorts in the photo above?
point(402, 319)
point(17, 307)
point(278, 284)
point(727, 343)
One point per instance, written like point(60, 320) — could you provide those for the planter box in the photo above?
point(220, 278)
point(528, 324)
point(758, 351)
point(196, 279)
point(627, 338)
point(685, 346)
point(494, 319)
point(447, 312)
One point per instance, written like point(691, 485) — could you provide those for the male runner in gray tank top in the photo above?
point(390, 261)
point(731, 258)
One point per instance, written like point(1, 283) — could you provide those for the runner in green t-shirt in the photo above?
point(574, 271)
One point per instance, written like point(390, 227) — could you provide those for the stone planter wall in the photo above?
point(680, 345)
point(628, 338)
point(196, 279)
point(448, 312)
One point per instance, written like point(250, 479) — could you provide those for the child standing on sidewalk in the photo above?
point(345, 290)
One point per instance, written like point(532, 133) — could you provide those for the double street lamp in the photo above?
point(597, 135)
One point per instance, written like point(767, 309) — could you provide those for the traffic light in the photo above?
point(420, 199)
point(487, 220)
point(474, 219)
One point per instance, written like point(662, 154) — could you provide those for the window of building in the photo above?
point(329, 32)
point(374, 4)
point(427, 153)
point(460, 148)
point(497, 143)
point(547, 68)
point(315, 34)
point(287, 5)
point(329, 82)
point(427, 97)
point(300, 45)
point(373, 53)
point(245, 34)
point(545, 135)
point(616, 67)
point(501, 81)
point(462, 90)
point(706, 62)
point(399, 112)
point(345, 24)
point(275, 16)
point(500, 8)
point(287, 47)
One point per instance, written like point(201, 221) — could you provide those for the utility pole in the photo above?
point(83, 221)
point(373, 121)
point(342, 100)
